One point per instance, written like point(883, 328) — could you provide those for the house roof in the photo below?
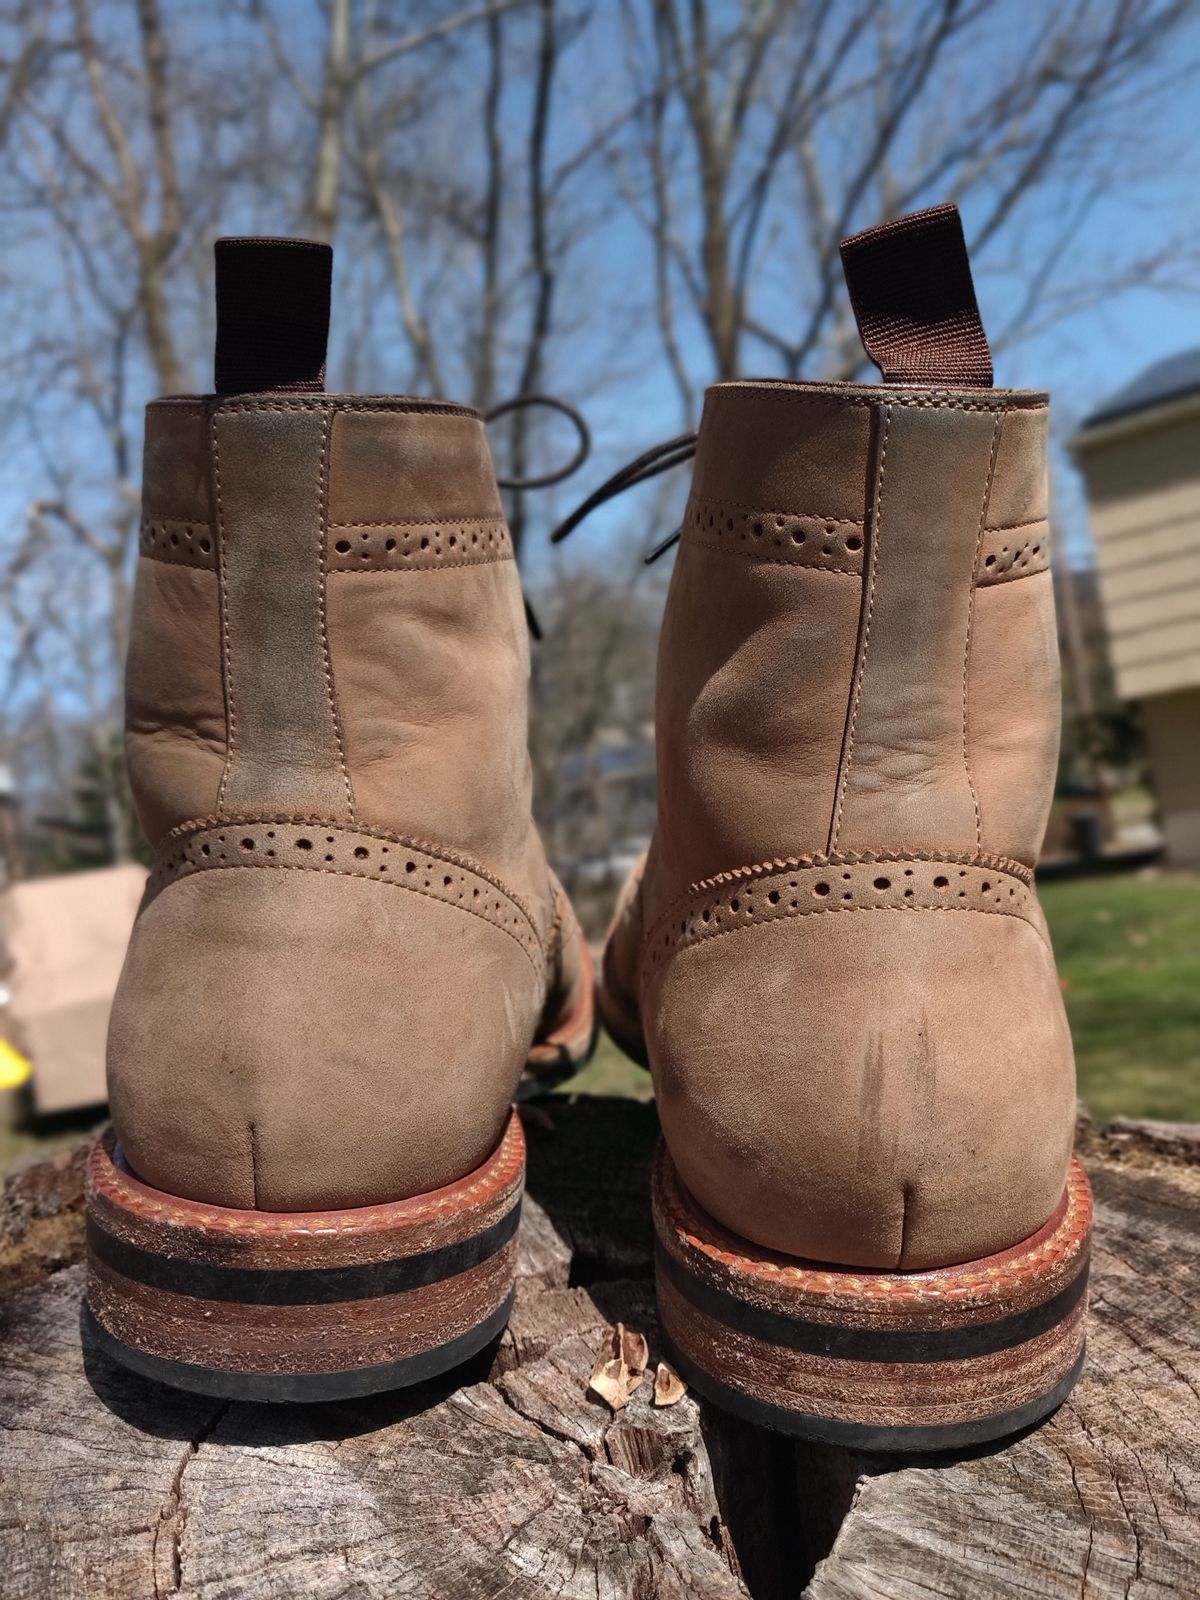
point(1169, 379)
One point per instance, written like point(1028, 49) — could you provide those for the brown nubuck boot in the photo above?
point(350, 943)
point(870, 1227)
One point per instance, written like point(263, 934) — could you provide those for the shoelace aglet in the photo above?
point(661, 549)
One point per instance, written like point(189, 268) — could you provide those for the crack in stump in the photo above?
point(172, 1517)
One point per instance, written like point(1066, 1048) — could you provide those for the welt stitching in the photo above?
point(264, 1225)
point(223, 596)
point(338, 872)
point(771, 561)
point(997, 1280)
point(861, 665)
point(997, 430)
point(323, 609)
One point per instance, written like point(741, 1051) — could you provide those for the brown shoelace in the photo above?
point(659, 458)
point(544, 481)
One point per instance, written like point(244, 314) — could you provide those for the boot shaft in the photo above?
point(328, 623)
point(859, 650)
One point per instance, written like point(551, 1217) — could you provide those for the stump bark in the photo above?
point(509, 1479)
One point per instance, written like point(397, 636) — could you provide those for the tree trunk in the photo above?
point(327, 166)
point(509, 1479)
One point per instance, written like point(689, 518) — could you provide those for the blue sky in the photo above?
point(1081, 360)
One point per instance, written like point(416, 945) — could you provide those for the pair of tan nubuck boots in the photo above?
point(869, 1226)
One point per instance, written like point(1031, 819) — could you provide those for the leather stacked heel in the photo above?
point(906, 1361)
point(316, 1305)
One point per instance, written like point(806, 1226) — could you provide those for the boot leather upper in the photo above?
point(350, 930)
point(834, 952)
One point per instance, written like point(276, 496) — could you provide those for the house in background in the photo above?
point(1140, 458)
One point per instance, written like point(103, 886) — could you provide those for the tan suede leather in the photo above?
point(833, 955)
point(350, 934)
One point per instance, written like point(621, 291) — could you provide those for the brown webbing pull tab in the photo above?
point(910, 286)
point(272, 314)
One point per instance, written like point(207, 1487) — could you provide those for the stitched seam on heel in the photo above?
point(223, 601)
point(861, 663)
point(997, 430)
point(323, 608)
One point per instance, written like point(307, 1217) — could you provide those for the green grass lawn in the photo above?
point(1129, 957)
point(610, 1071)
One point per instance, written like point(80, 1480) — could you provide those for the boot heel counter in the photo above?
point(882, 1082)
point(279, 1037)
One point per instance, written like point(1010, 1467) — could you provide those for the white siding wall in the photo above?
point(1143, 478)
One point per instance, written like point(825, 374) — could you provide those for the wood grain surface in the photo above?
point(509, 1480)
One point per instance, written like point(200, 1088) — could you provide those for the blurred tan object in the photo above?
point(1140, 458)
point(66, 938)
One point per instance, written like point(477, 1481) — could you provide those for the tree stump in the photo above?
point(509, 1479)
